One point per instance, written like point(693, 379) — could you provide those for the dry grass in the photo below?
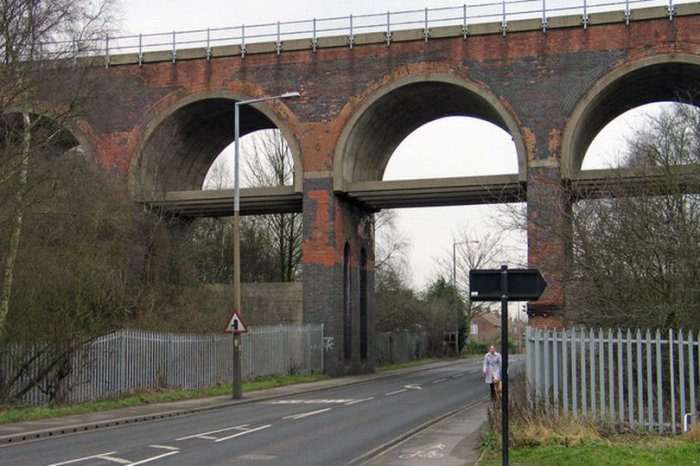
point(533, 426)
point(536, 437)
point(694, 434)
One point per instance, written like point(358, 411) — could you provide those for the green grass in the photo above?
point(617, 452)
point(16, 414)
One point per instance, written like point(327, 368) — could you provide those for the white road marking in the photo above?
point(354, 402)
point(440, 380)
point(413, 387)
point(114, 459)
point(303, 415)
point(429, 453)
point(396, 392)
point(207, 435)
point(153, 458)
point(246, 432)
point(83, 459)
point(311, 402)
point(165, 447)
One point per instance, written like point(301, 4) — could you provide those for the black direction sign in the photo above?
point(521, 284)
point(505, 285)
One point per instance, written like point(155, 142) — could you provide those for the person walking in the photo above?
point(492, 369)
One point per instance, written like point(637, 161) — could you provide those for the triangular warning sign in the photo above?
point(235, 324)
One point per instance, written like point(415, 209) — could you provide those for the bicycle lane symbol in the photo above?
point(432, 453)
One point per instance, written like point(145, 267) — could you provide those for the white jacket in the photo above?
point(492, 366)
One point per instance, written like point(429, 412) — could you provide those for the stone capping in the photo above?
point(442, 32)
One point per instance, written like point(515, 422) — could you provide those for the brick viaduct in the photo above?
point(161, 124)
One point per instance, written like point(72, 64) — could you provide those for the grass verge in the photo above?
point(546, 439)
point(16, 414)
point(624, 450)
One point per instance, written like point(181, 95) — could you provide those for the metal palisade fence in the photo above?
point(642, 379)
point(130, 360)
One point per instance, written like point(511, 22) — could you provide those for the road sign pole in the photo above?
point(237, 379)
point(516, 285)
point(504, 365)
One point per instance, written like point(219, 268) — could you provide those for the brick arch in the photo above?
point(644, 81)
point(180, 144)
point(73, 132)
point(393, 112)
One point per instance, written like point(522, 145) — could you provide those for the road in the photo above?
point(332, 427)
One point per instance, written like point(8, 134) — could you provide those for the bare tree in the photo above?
point(635, 260)
point(471, 251)
point(37, 39)
point(269, 163)
point(391, 246)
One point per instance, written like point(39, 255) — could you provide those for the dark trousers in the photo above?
point(493, 391)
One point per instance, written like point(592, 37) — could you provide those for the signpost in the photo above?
point(505, 285)
point(236, 326)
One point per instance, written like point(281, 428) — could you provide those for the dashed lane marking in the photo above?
point(307, 414)
point(354, 402)
point(396, 392)
point(312, 402)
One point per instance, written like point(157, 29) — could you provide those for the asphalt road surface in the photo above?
point(333, 427)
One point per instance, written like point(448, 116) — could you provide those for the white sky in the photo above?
point(489, 150)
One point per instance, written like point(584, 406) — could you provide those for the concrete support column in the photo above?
point(549, 234)
point(338, 268)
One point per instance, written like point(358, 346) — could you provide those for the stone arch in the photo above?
point(180, 144)
point(649, 80)
point(393, 112)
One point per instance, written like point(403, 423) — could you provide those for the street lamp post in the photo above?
point(237, 379)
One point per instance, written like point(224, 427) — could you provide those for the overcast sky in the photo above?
point(448, 147)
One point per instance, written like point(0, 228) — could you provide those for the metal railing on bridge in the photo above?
point(388, 23)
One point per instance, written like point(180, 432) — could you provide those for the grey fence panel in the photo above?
point(639, 379)
point(129, 361)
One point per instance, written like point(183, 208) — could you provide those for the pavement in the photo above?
point(452, 439)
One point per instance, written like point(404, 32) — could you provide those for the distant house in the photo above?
point(485, 328)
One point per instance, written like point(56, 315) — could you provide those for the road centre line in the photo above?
point(303, 415)
point(440, 380)
point(310, 402)
point(396, 392)
point(354, 402)
point(83, 459)
point(249, 431)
